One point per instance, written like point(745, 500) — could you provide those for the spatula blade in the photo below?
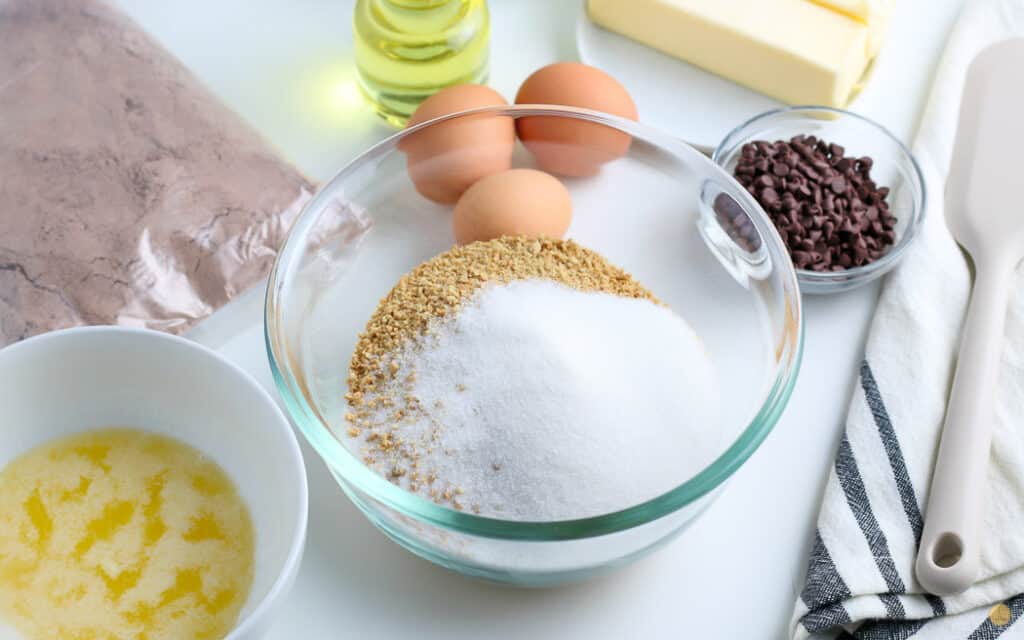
point(986, 178)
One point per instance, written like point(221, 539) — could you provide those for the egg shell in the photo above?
point(517, 202)
point(443, 160)
point(573, 147)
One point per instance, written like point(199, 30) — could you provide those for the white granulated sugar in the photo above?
point(545, 403)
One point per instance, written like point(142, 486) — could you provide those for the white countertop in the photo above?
point(286, 66)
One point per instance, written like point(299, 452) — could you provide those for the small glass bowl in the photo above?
point(894, 167)
point(662, 211)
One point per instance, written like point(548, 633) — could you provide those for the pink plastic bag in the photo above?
point(128, 193)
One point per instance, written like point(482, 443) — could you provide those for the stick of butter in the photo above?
point(873, 13)
point(797, 51)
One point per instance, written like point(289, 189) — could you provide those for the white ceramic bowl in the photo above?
point(68, 381)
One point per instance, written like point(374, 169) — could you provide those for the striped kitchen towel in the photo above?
point(860, 580)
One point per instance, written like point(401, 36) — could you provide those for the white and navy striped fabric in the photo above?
point(860, 580)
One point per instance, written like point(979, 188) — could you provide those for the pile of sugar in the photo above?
point(537, 401)
point(440, 286)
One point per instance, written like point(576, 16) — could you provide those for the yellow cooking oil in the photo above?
point(407, 50)
point(121, 534)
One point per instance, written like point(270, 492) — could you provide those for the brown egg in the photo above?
point(517, 202)
point(445, 159)
point(572, 147)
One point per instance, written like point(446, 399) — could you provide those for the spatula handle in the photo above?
point(949, 556)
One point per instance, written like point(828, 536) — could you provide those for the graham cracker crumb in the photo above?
point(439, 286)
point(427, 295)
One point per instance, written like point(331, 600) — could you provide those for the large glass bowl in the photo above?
point(663, 211)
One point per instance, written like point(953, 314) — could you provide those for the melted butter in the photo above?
point(153, 524)
point(121, 534)
point(78, 492)
point(210, 484)
point(114, 516)
point(94, 452)
point(39, 519)
point(204, 527)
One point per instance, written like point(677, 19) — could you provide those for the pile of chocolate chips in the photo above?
point(828, 210)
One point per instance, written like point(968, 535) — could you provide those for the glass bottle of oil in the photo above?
point(407, 50)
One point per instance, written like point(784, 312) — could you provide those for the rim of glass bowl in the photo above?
point(354, 472)
point(889, 260)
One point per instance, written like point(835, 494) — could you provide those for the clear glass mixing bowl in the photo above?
point(663, 212)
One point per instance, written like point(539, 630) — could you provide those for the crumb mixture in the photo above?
point(441, 285)
point(395, 430)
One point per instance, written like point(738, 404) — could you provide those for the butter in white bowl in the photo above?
point(125, 531)
point(190, 524)
point(797, 51)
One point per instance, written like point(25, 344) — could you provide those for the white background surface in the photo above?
point(286, 66)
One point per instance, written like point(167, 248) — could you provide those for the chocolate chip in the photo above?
point(828, 210)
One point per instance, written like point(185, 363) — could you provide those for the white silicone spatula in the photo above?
point(985, 213)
